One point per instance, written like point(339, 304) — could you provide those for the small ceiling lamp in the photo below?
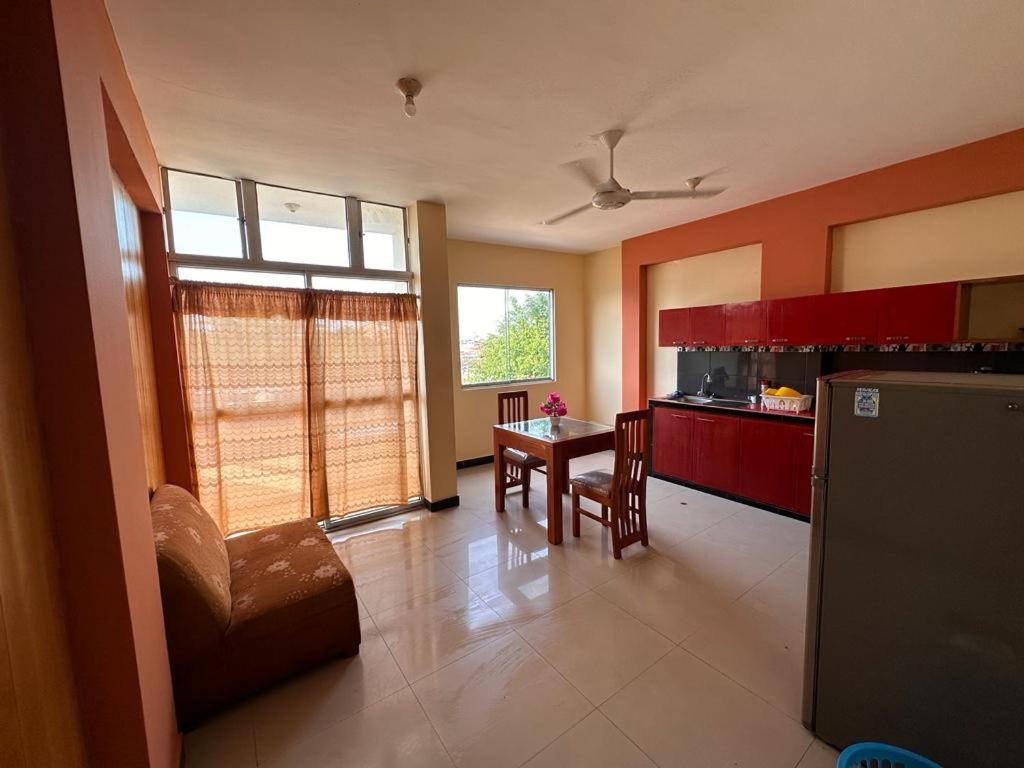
point(410, 88)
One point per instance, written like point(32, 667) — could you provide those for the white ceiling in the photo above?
point(764, 97)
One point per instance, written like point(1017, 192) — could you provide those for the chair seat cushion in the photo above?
point(596, 481)
point(522, 458)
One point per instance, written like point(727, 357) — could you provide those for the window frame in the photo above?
point(551, 336)
point(252, 250)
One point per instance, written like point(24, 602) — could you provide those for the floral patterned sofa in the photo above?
point(245, 612)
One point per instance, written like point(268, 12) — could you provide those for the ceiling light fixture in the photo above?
point(410, 88)
point(292, 207)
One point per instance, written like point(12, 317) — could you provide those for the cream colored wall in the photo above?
point(979, 238)
point(712, 278)
point(996, 311)
point(602, 288)
point(487, 264)
point(428, 259)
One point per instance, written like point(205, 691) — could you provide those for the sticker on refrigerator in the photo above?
point(865, 402)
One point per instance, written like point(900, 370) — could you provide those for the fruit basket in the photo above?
point(789, 404)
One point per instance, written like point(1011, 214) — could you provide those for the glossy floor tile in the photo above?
point(435, 629)
point(760, 654)
point(682, 711)
point(596, 645)
point(393, 733)
point(594, 742)
point(522, 591)
point(485, 645)
point(500, 705)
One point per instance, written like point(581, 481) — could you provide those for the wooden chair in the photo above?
point(513, 406)
point(622, 493)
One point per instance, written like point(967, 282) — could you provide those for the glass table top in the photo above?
point(567, 428)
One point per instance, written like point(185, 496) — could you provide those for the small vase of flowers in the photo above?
point(554, 408)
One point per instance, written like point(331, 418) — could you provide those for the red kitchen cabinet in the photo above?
point(767, 462)
point(674, 328)
point(745, 323)
point(918, 314)
point(795, 321)
point(804, 453)
point(850, 318)
point(716, 455)
point(707, 326)
point(673, 443)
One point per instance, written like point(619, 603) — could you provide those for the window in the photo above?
point(204, 215)
point(302, 227)
point(248, 233)
point(358, 284)
point(242, 277)
point(505, 335)
point(383, 236)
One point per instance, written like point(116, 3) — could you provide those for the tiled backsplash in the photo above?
point(739, 374)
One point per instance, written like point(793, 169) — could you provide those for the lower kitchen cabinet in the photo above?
point(761, 459)
point(768, 462)
point(716, 446)
point(804, 466)
point(673, 442)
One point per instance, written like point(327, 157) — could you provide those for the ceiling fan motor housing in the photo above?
point(611, 199)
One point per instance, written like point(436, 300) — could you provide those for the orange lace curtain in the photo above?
point(300, 403)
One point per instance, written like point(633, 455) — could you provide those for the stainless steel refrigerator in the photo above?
point(915, 611)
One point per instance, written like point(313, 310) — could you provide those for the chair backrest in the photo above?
point(195, 575)
point(513, 406)
point(632, 459)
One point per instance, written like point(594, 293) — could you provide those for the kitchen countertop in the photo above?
point(757, 410)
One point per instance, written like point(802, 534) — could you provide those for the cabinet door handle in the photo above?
point(698, 342)
point(709, 421)
point(855, 338)
point(775, 341)
point(750, 341)
point(897, 338)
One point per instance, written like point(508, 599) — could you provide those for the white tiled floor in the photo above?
point(485, 646)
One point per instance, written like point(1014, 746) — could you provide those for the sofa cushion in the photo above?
point(282, 572)
point(192, 561)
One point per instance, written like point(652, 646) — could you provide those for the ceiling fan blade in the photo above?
point(668, 194)
point(564, 216)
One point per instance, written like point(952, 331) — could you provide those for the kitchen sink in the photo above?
point(701, 400)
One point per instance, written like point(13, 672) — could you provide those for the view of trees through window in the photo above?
point(504, 334)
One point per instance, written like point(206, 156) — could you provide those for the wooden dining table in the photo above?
point(556, 445)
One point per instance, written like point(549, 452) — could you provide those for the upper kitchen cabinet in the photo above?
point(707, 326)
point(746, 323)
point(795, 321)
point(850, 318)
point(918, 314)
point(674, 328)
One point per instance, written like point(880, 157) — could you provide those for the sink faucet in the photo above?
point(705, 382)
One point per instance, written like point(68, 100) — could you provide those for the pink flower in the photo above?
point(554, 397)
point(545, 408)
point(562, 410)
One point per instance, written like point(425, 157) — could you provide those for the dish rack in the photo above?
point(790, 404)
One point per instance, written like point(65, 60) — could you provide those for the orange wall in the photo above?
point(795, 230)
point(58, 69)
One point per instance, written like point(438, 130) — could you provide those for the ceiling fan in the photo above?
point(609, 195)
